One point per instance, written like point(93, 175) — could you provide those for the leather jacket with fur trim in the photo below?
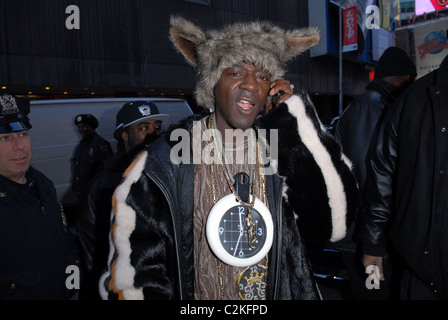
point(309, 198)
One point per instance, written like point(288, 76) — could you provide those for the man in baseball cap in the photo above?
point(137, 121)
point(137, 125)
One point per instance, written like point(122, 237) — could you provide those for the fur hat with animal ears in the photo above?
point(259, 43)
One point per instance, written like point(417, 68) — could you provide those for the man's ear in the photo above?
point(125, 136)
point(186, 37)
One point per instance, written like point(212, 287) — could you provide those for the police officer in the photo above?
point(35, 248)
point(90, 153)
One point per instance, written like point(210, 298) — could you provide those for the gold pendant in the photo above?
point(251, 227)
point(251, 283)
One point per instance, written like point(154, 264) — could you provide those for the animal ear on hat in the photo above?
point(301, 40)
point(186, 37)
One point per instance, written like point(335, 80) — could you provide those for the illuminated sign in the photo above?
point(431, 46)
point(422, 6)
point(350, 27)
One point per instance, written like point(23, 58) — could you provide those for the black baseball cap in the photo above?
point(14, 113)
point(136, 111)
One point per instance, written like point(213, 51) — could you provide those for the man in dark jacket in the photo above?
point(356, 129)
point(90, 153)
point(35, 247)
point(406, 188)
point(191, 224)
point(359, 121)
point(138, 124)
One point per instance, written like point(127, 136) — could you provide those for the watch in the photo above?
point(228, 234)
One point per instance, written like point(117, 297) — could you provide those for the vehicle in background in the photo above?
point(55, 136)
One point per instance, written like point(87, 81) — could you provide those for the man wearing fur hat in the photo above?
point(34, 244)
point(209, 227)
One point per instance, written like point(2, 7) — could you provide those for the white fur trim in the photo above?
point(102, 283)
point(125, 218)
point(347, 161)
point(335, 188)
point(285, 190)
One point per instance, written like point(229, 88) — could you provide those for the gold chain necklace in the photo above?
point(249, 220)
point(250, 205)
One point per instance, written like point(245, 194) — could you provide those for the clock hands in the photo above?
point(252, 236)
point(241, 233)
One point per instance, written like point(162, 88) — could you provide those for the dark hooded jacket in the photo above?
point(152, 251)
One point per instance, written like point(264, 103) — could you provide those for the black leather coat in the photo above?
point(359, 122)
point(407, 182)
point(355, 130)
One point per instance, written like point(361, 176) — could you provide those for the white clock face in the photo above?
point(227, 232)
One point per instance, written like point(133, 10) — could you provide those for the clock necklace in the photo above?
point(239, 227)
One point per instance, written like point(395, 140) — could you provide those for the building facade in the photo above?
point(93, 48)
